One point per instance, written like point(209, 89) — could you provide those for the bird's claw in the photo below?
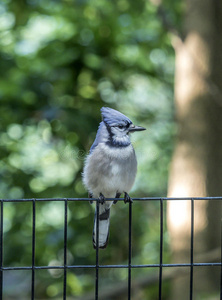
point(127, 198)
point(117, 196)
point(90, 196)
point(102, 198)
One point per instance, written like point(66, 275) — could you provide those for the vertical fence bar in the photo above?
point(161, 249)
point(191, 248)
point(130, 250)
point(1, 253)
point(33, 248)
point(65, 248)
point(97, 251)
point(221, 258)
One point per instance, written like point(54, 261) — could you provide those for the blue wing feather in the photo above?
point(101, 136)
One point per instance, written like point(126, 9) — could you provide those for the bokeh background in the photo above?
point(61, 61)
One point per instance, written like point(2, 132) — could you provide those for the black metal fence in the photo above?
point(129, 266)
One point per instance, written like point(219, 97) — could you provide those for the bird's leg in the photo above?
point(102, 198)
point(127, 198)
point(90, 195)
point(117, 196)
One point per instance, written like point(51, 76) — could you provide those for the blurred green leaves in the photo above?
point(61, 61)
point(58, 69)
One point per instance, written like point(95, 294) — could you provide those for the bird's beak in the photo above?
point(133, 128)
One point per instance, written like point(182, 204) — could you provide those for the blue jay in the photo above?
point(110, 168)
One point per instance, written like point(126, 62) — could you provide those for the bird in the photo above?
point(110, 167)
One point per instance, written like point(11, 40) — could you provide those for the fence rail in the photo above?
point(98, 266)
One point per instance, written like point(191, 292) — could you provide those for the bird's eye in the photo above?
point(120, 126)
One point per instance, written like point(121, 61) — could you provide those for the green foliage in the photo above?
point(61, 61)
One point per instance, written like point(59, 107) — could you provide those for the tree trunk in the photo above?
point(196, 168)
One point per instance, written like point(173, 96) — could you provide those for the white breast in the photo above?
point(109, 170)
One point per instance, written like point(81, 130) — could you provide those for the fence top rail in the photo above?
point(111, 199)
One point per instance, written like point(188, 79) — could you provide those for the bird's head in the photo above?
point(118, 126)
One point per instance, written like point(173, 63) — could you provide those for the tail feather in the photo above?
point(103, 228)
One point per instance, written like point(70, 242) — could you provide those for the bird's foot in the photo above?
point(117, 196)
point(102, 198)
point(90, 195)
point(127, 198)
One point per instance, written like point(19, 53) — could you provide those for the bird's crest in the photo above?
point(113, 117)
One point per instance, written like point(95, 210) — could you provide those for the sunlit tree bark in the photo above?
point(196, 168)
